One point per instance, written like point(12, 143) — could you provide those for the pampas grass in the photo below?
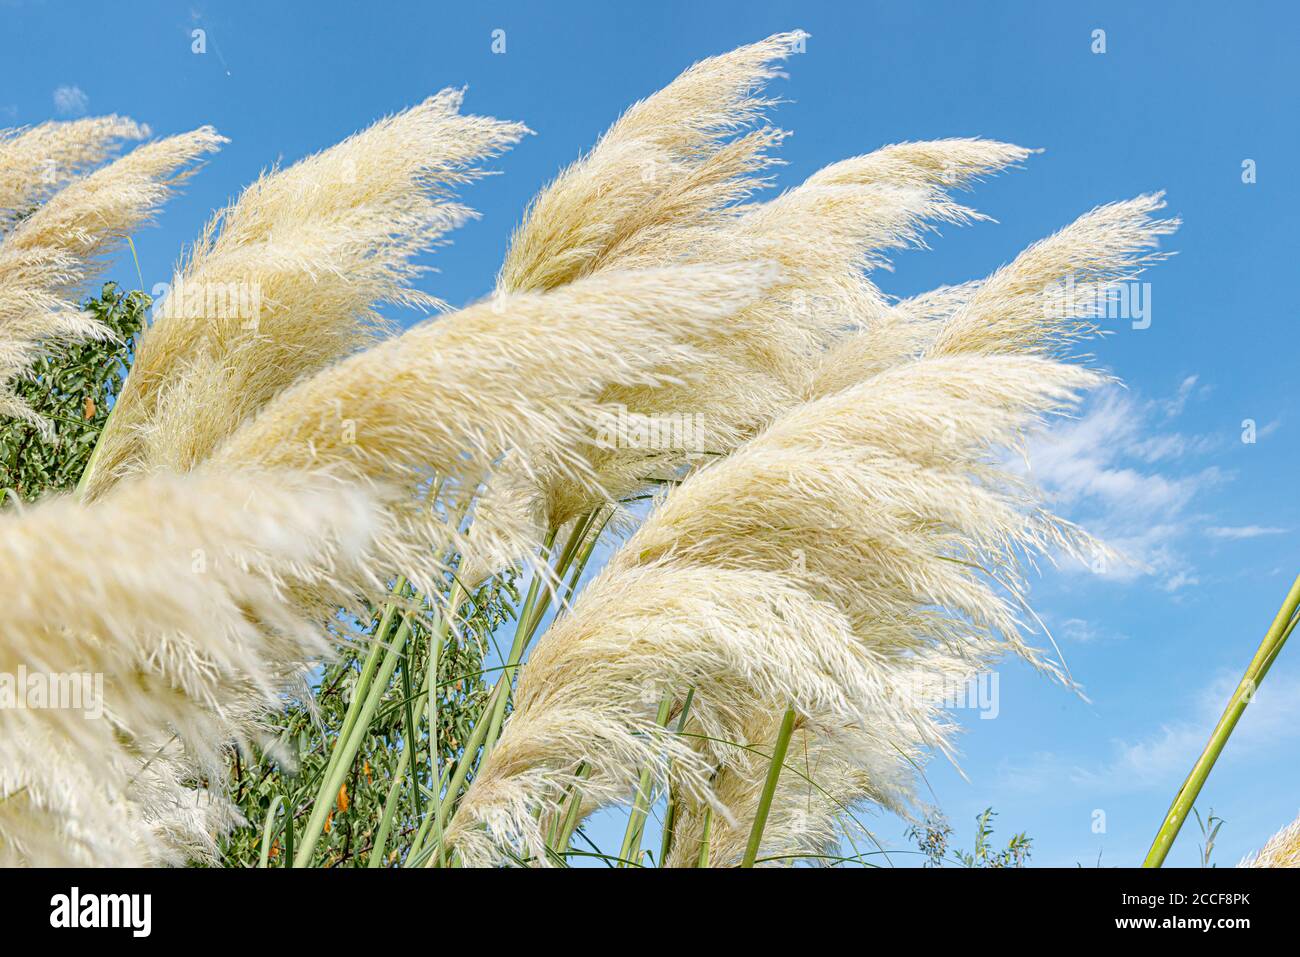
point(825, 233)
point(846, 543)
point(47, 256)
point(1046, 299)
point(36, 162)
point(286, 280)
point(853, 561)
point(181, 593)
point(1281, 850)
point(450, 397)
point(668, 163)
point(667, 185)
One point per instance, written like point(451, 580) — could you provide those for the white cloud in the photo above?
point(1243, 531)
point(70, 101)
point(1173, 407)
point(1100, 470)
point(1180, 579)
point(1162, 757)
point(1085, 632)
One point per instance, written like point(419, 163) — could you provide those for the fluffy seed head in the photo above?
point(46, 257)
point(287, 279)
point(855, 560)
point(38, 161)
point(185, 599)
point(518, 374)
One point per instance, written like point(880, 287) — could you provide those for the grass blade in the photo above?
point(769, 788)
point(1283, 624)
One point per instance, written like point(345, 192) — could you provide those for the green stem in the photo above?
point(462, 771)
point(268, 830)
point(670, 812)
point(706, 835)
point(769, 788)
point(346, 748)
point(362, 687)
point(570, 823)
point(435, 652)
point(534, 607)
point(390, 807)
point(631, 849)
point(394, 791)
point(1283, 624)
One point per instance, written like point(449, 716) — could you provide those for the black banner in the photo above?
point(343, 906)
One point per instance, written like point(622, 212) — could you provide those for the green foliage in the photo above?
point(1209, 834)
point(305, 733)
point(933, 838)
point(73, 390)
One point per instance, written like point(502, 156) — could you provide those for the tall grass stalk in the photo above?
point(1283, 624)
point(268, 830)
point(571, 561)
point(630, 852)
point(769, 787)
point(346, 747)
point(670, 809)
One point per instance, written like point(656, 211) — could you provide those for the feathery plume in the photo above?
point(854, 561)
point(90, 216)
point(1282, 849)
point(287, 279)
point(669, 162)
point(36, 162)
point(1047, 298)
point(187, 619)
point(517, 374)
point(49, 254)
point(1051, 295)
point(826, 232)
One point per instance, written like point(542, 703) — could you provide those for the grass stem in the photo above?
point(1283, 624)
point(769, 788)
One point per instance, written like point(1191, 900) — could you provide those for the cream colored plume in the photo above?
point(36, 162)
point(827, 232)
point(47, 256)
point(1052, 295)
point(858, 560)
point(517, 374)
point(672, 161)
point(893, 336)
point(286, 280)
point(172, 595)
point(1282, 849)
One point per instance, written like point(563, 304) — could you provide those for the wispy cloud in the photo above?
point(1162, 757)
point(1085, 632)
point(1173, 407)
point(1120, 471)
point(70, 101)
point(1243, 531)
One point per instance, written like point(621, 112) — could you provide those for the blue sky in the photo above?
point(1181, 97)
